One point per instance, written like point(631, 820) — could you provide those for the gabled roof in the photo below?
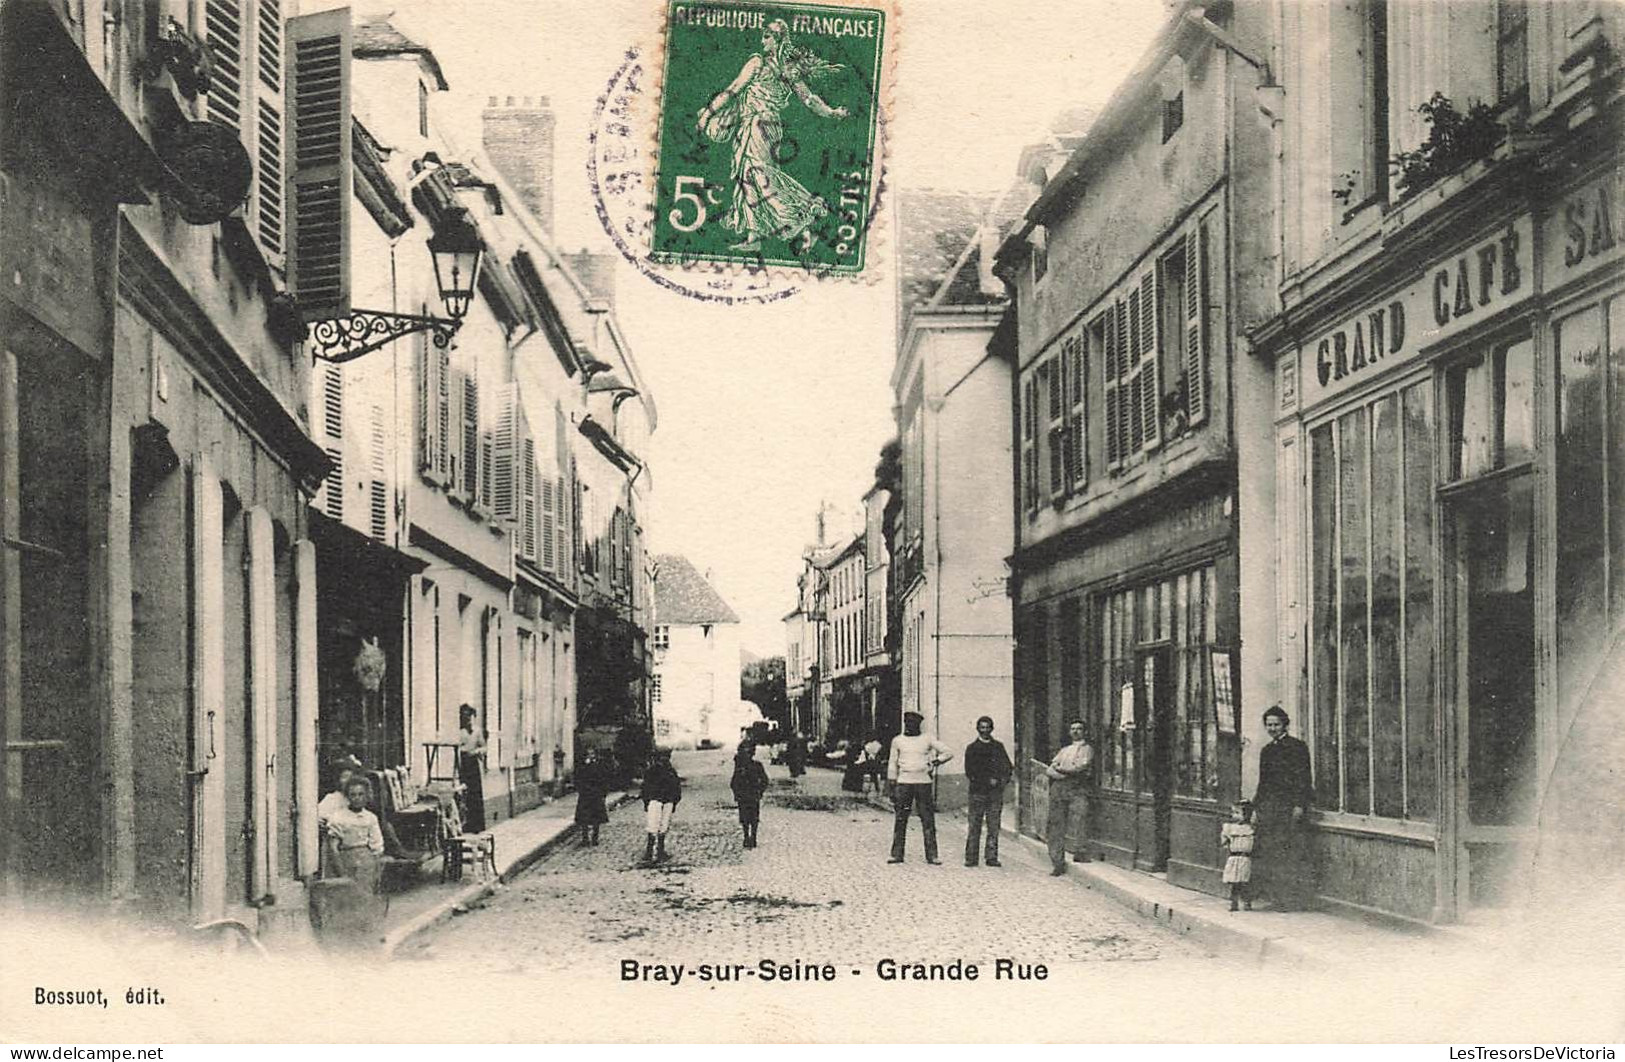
point(377, 37)
point(934, 227)
point(683, 597)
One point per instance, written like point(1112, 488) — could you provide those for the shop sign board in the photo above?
point(1584, 231)
point(1487, 276)
point(50, 258)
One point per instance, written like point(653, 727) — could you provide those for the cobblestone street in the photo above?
point(818, 890)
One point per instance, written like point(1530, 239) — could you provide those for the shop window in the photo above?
point(1590, 491)
point(1492, 419)
point(1177, 618)
point(1371, 582)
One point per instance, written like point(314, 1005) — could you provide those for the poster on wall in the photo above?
point(1125, 716)
point(1224, 691)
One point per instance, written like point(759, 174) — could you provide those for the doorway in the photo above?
point(1153, 676)
point(1489, 535)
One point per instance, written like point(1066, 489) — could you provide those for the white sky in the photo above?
point(767, 410)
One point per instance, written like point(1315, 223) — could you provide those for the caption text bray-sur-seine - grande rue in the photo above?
point(770, 970)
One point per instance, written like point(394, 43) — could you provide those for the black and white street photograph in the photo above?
point(829, 522)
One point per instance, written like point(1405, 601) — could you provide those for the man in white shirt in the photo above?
point(1068, 773)
point(914, 757)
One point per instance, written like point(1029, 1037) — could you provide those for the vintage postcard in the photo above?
point(748, 521)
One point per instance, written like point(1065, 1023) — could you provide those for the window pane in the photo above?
point(1517, 398)
point(1352, 488)
point(1581, 500)
point(1421, 785)
point(1323, 521)
point(1387, 635)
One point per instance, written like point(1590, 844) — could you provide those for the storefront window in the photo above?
point(1164, 628)
point(1371, 512)
point(1492, 420)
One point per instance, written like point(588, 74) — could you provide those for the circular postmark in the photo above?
point(620, 174)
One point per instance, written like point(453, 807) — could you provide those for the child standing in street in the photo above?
point(1236, 838)
point(749, 783)
point(662, 790)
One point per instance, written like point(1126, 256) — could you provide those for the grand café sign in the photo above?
point(1451, 295)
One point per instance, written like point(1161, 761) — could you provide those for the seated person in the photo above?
point(354, 840)
point(336, 800)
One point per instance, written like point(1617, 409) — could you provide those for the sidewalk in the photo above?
point(520, 841)
point(1307, 939)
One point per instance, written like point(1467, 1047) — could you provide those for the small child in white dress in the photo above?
point(1236, 838)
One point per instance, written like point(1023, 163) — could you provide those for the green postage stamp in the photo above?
point(769, 133)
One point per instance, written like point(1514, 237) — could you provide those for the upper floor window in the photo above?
point(1511, 50)
point(1173, 115)
point(1040, 241)
point(662, 638)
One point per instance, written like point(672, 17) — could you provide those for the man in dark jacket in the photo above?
point(662, 790)
point(1284, 795)
point(987, 772)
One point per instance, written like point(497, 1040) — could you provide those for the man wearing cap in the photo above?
point(913, 757)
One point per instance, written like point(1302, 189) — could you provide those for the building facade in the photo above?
point(953, 537)
point(694, 681)
point(1134, 272)
point(1448, 437)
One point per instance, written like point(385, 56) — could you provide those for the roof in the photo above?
point(377, 37)
point(684, 597)
point(934, 228)
point(963, 285)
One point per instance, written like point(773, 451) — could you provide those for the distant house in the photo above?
point(695, 680)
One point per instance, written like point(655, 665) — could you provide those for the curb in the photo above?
point(471, 894)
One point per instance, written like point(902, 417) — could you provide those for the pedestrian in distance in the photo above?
point(1284, 795)
point(471, 769)
point(1068, 775)
point(749, 783)
point(592, 785)
point(795, 755)
point(1236, 838)
point(662, 791)
point(914, 758)
point(987, 772)
point(873, 760)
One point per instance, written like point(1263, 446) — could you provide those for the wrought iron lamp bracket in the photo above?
point(341, 339)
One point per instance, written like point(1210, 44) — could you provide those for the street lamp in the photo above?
point(455, 249)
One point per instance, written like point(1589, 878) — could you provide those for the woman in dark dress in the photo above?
point(749, 783)
point(471, 770)
point(1284, 795)
point(592, 784)
point(795, 755)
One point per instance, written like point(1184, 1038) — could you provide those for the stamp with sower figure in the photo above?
point(769, 118)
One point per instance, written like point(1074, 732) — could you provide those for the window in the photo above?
point(1492, 417)
point(654, 688)
point(1372, 666)
point(1040, 246)
point(1029, 442)
point(1178, 619)
point(1173, 115)
point(1511, 50)
point(1375, 49)
point(1052, 374)
point(662, 639)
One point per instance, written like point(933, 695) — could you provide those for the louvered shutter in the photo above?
point(506, 456)
point(528, 514)
point(223, 31)
point(575, 516)
point(1029, 441)
point(333, 401)
point(564, 493)
point(271, 149)
point(469, 397)
point(1112, 371)
point(318, 83)
point(549, 534)
point(445, 438)
point(487, 459)
point(456, 459)
point(333, 486)
point(1077, 440)
point(378, 494)
point(1195, 339)
point(430, 367)
point(1150, 384)
point(1057, 425)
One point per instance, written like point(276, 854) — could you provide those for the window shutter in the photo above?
point(1057, 425)
point(1125, 379)
point(506, 456)
point(378, 492)
point(527, 523)
point(333, 401)
point(470, 398)
point(268, 180)
point(453, 438)
point(575, 514)
point(318, 77)
point(564, 493)
point(1195, 340)
point(487, 459)
point(333, 486)
point(1077, 440)
point(429, 388)
point(444, 436)
point(223, 28)
point(548, 545)
point(1111, 370)
point(270, 44)
point(1150, 399)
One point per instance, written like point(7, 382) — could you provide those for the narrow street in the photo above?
point(818, 890)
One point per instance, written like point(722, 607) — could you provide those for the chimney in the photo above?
point(518, 138)
point(596, 271)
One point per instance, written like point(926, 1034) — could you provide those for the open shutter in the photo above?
point(333, 486)
point(429, 366)
point(1112, 371)
point(564, 492)
point(528, 514)
point(318, 81)
point(469, 397)
point(223, 31)
point(455, 458)
point(505, 456)
point(1195, 339)
point(1055, 429)
point(1077, 440)
point(333, 401)
point(1150, 385)
point(444, 435)
point(548, 544)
